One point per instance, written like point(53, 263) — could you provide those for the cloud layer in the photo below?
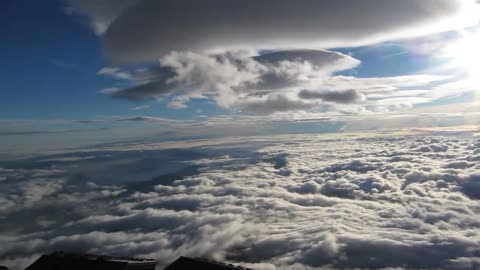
point(141, 30)
point(296, 202)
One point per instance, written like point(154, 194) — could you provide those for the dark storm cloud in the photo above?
point(144, 30)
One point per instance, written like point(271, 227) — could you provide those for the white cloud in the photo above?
point(109, 90)
point(141, 107)
point(366, 201)
point(115, 73)
point(237, 80)
point(300, 80)
point(177, 104)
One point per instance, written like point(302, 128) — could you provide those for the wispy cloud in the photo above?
point(115, 73)
point(141, 107)
point(42, 132)
point(145, 119)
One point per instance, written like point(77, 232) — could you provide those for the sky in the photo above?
point(89, 72)
point(274, 134)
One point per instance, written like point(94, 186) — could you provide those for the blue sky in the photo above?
point(53, 57)
point(55, 51)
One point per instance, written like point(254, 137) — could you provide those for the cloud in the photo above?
point(140, 31)
point(109, 90)
point(384, 84)
point(275, 103)
point(177, 104)
point(324, 61)
point(44, 132)
point(145, 119)
point(87, 121)
point(104, 12)
point(246, 55)
point(279, 81)
point(360, 201)
point(141, 107)
point(346, 97)
point(235, 79)
point(471, 187)
point(115, 73)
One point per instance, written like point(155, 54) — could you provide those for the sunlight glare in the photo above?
point(464, 54)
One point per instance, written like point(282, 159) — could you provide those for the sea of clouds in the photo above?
point(285, 202)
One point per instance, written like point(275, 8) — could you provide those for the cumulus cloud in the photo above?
point(296, 80)
point(135, 31)
point(237, 80)
point(296, 202)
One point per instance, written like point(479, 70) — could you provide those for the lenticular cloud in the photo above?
point(142, 30)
